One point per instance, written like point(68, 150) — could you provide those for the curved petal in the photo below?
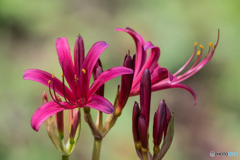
point(148, 45)
point(44, 112)
point(137, 34)
point(92, 58)
point(65, 60)
point(43, 77)
point(167, 86)
point(78, 55)
point(100, 103)
point(108, 75)
point(150, 64)
point(140, 50)
point(159, 75)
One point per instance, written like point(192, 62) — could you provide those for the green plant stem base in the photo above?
point(65, 157)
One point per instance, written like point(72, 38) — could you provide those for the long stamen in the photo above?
point(49, 83)
point(190, 59)
point(64, 90)
point(84, 71)
point(65, 93)
point(76, 79)
point(199, 53)
point(54, 92)
point(54, 98)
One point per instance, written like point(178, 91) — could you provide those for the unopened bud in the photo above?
point(44, 97)
point(126, 84)
point(145, 95)
point(160, 123)
point(74, 126)
point(142, 128)
point(135, 116)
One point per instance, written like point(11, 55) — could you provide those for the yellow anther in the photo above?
point(195, 44)
point(198, 53)
point(210, 44)
point(62, 75)
point(84, 71)
point(76, 77)
point(49, 81)
point(201, 46)
point(53, 75)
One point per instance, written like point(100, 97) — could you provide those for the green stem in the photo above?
point(145, 155)
point(98, 142)
point(96, 149)
point(65, 157)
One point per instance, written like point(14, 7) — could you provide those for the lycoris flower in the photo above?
point(78, 77)
point(161, 78)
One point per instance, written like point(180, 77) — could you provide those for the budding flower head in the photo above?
point(135, 116)
point(163, 129)
point(74, 126)
point(145, 95)
point(160, 123)
point(142, 128)
point(97, 71)
point(126, 84)
point(44, 97)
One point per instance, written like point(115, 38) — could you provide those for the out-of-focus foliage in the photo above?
point(28, 30)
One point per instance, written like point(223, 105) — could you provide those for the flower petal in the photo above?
point(44, 112)
point(78, 55)
point(157, 87)
point(106, 76)
point(150, 64)
point(65, 60)
point(92, 58)
point(139, 47)
point(43, 77)
point(100, 103)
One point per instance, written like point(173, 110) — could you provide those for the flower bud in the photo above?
point(98, 64)
point(160, 123)
point(44, 97)
point(74, 126)
point(60, 120)
point(145, 95)
point(135, 116)
point(97, 70)
point(142, 128)
point(126, 84)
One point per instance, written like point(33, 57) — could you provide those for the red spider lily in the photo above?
point(160, 77)
point(78, 77)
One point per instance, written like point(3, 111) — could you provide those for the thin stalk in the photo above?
point(145, 155)
point(65, 157)
point(96, 149)
point(98, 142)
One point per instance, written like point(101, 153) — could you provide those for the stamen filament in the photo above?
point(55, 96)
point(64, 90)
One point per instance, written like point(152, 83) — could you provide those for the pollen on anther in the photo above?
point(76, 77)
point(201, 46)
point(62, 75)
point(53, 75)
point(210, 44)
point(195, 44)
point(84, 71)
point(49, 81)
point(198, 53)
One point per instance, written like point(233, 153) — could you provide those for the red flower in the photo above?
point(78, 77)
point(160, 77)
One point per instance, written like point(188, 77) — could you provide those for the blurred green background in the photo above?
point(29, 29)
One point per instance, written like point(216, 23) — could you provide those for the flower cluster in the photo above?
point(141, 75)
point(163, 123)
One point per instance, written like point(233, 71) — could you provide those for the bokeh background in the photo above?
point(28, 31)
